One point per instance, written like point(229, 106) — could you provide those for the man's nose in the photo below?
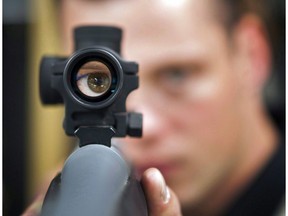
point(140, 102)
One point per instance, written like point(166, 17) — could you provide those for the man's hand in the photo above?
point(35, 208)
point(161, 200)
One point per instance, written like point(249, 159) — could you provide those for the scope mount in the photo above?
point(93, 119)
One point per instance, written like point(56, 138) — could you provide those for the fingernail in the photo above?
point(165, 194)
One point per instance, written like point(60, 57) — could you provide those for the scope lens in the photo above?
point(93, 79)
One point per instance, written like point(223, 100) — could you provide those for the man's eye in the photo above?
point(177, 80)
point(93, 79)
point(172, 78)
point(175, 75)
point(94, 84)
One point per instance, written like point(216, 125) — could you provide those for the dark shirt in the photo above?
point(266, 193)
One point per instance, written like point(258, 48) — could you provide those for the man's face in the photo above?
point(191, 94)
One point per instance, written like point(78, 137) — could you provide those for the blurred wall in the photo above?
point(275, 89)
point(47, 142)
point(34, 143)
point(14, 98)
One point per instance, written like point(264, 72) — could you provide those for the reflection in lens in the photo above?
point(94, 79)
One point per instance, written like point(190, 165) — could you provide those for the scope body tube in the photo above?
point(95, 180)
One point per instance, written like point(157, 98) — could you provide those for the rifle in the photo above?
point(93, 84)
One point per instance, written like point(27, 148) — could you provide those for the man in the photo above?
point(203, 66)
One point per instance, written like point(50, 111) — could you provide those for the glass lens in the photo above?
point(93, 79)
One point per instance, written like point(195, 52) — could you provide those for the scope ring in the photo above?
point(93, 54)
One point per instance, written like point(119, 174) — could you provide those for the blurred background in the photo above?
point(34, 143)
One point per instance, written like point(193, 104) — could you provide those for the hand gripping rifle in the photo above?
point(93, 84)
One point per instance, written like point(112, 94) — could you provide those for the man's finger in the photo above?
point(160, 199)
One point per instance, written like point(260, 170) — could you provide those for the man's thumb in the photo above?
point(161, 200)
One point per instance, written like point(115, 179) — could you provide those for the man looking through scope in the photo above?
point(203, 66)
point(97, 85)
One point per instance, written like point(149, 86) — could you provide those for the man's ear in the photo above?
point(253, 52)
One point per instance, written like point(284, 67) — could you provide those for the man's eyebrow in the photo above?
point(94, 66)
